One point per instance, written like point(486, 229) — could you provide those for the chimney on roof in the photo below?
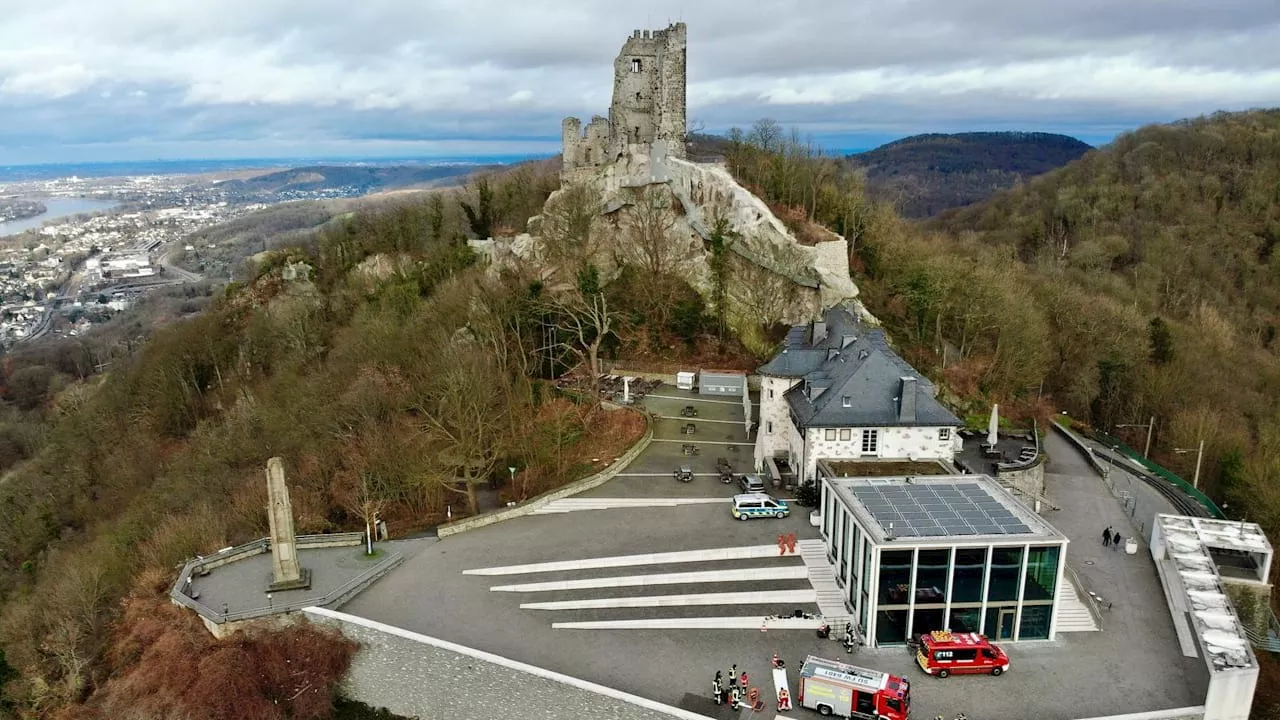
point(847, 340)
point(907, 401)
point(863, 354)
point(819, 332)
point(832, 353)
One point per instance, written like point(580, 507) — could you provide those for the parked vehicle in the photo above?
point(751, 484)
point(943, 652)
point(683, 474)
point(754, 505)
point(836, 688)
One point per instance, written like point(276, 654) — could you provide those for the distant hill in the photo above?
point(926, 174)
point(360, 178)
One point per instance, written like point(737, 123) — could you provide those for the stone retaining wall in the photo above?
point(418, 676)
point(1027, 483)
point(572, 488)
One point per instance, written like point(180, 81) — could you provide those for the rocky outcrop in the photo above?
point(772, 277)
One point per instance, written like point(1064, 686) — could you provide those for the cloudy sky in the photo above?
point(95, 80)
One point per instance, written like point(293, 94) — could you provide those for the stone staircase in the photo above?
point(831, 601)
point(1073, 614)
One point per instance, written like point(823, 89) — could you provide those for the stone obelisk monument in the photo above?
point(287, 574)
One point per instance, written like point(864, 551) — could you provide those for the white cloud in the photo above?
point(80, 71)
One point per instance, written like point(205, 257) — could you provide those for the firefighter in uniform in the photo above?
point(717, 689)
point(735, 698)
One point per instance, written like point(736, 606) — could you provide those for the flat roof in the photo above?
point(1187, 541)
point(921, 509)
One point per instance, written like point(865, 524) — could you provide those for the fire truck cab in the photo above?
point(943, 652)
point(834, 688)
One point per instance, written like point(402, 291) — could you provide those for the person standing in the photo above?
point(717, 688)
point(733, 676)
point(735, 699)
point(1106, 536)
point(1115, 540)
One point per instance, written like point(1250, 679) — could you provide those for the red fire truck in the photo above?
point(943, 652)
point(834, 688)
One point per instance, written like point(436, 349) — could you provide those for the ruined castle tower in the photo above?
point(648, 104)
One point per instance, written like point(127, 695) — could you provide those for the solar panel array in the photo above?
point(938, 510)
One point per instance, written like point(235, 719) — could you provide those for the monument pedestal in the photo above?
point(302, 582)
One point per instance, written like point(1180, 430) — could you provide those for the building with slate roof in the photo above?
point(837, 391)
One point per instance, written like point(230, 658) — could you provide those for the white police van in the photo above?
point(754, 505)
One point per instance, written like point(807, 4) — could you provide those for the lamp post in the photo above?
point(512, 469)
point(1146, 451)
point(1199, 451)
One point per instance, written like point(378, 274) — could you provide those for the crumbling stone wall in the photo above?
point(648, 104)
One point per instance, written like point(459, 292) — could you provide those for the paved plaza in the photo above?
point(1132, 665)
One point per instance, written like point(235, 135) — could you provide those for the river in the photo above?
point(58, 207)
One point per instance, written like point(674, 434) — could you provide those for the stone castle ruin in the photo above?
point(648, 104)
point(636, 157)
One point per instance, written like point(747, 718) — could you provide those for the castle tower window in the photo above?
point(637, 97)
point(635, 65)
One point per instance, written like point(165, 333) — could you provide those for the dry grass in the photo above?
point(165, 666)
point(854, 468)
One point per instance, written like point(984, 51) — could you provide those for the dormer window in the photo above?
point(846, 401)
point(635, 65)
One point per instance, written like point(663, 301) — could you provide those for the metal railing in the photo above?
point(180, 593)
point(1269, 640)
point(1095, 611)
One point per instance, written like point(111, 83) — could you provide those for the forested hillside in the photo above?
point(1139, 280)
point(1157, 287)
point(923, 175)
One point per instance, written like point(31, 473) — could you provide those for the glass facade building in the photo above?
point(941, 552)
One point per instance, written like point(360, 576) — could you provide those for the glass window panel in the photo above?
point(1006, 566)
point(966, 620)
point(967, 586)
point(1035, 622)
point(862, 612)
point(925, 620)
point(895, 578)
point(1000, 622)
point(866, 563)
point(931, 576)
point(891, 627)
point(1042, 573)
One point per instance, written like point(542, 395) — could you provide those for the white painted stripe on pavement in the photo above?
point(784, 572)
point(696, 399)
point(751, 597)
point(693, 623)
point(746, 552)
point(506, 662)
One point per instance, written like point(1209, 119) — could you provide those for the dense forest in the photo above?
point(923, 175)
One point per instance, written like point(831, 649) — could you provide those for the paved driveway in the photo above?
point(1132, 665)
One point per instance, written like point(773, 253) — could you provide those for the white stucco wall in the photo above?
point(893, 443)
point(776, 433)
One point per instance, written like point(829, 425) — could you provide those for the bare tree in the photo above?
point(582, 321)
point(466, 410)
point(366, 497)
point(650, 218)
point(569, 227)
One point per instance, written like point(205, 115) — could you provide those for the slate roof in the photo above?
point(844, 358)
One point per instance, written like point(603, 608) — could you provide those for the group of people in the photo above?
point(1108, 538)
point(733, 692)
point(737, 692)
